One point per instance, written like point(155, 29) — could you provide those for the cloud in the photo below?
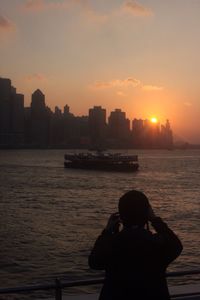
point(34, 5)
point(101, 85)
point(86, 10)
point(93, 16)
point(137, 9)
point(125, 83)
point(42, 5)
point(116, 83)
point(121, 94)
point(5, 24)
point(152, 88)
point(36, 76)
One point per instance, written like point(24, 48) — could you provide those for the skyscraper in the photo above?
point(17, 119)
point(40, 119)
point(118, 125)
point(137, 133)
point(38, 104)
point(97, 126)
point(166, 138)
point(5, 110)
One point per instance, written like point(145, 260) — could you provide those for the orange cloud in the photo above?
point(124, 83)
point(5, 24)
point(34, 5)
point(101, 85)
point(36, 76)
point(92, 16)
point(137, 9)
point(152, 88)
point(42, 5)
point(121, 94)
point(116, 83)
point(132, 7)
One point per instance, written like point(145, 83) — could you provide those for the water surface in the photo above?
point(50, 216)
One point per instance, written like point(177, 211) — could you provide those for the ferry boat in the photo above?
point(102, 161)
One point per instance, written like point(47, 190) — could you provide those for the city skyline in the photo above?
point(37, 126)
point(140, 56)
point(57, 109)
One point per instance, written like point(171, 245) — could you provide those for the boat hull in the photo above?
point(102, 167)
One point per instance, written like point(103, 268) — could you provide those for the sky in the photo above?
point(141, 56)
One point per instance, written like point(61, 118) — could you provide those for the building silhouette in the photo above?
point(56, 128)
point(97, 126)
point(81, 132)
point(40, 118)
point(166, 136)
point(11, 115)
point(146, 134)
point(5, 107)
point(118, 129)
point(151, 134)
point(69, 127)
point(67, 130)
point(138, 139)
point(38, 126)
point(17, 119)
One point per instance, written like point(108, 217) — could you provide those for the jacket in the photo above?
point(135, 261)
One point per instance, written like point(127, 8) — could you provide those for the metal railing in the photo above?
point(58, 286)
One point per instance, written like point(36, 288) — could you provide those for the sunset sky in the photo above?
point(141, 56)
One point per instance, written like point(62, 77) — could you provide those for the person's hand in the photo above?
point(151, 214)
point(113, 223)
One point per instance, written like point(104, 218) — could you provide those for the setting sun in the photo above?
point(154, 120)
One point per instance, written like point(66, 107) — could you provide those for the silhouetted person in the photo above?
point(135, 260)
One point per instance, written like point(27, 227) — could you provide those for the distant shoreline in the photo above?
point(181, 147)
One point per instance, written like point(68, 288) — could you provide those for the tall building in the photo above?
point(56, 134)
point(137, 133)
point(5, 89)
point(137, 126)
point(40, 119)
point(118, 128)
point(69, 126)
point(151, 134)
point(118, 124)
point(38, 106)
point(17, 119)
point(166, 136)
point(5, 110)
point(81, 125)
point(97, 126)
point(66, 110)
point(27, 126)
point(11, 115)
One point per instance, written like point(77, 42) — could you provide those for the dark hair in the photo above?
point(133, 208)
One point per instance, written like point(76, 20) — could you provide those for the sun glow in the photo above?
point(154, 120)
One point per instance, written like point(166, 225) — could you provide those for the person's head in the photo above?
point(133, 208)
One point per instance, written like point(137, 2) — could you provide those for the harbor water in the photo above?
point(51, 216)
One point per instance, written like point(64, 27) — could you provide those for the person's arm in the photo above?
point(170, 244)
point(101, 252)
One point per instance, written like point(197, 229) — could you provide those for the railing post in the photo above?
point(58, 290)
